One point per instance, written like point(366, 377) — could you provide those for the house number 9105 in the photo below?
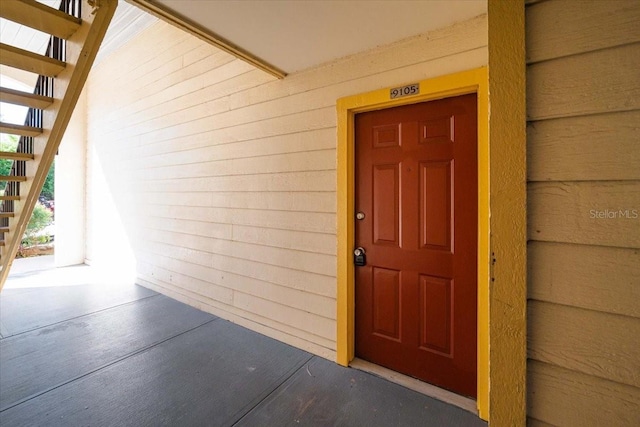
point(408, 90)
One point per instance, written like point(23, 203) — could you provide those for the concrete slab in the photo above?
point(35, 362)
point(31, 264)
point(25, 309)
point(210, 376)
point(325, 394)
point(124, 355)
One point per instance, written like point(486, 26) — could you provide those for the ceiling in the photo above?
point(126, 23)
point(24, 38)
point(294, 35)
point(290, 35)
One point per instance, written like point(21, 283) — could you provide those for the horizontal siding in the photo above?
point(304, 242)
point(278, 163)
point(286, 220)
point(597, 82)
point(306, 111)
point(303, 322)
point(563, 397)
point(193, 261)
point(292, 259)
point(585, 341)
point(319, 201)
point(226, 177)
point(592, 277)
point(603, 213)
point(263, 325)
point(224, 78)
point(583, 106)
point(160, 154)
point(557, 29)
point(224, 286)
point(604, 147)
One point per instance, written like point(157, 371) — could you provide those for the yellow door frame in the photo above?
point(502, 211)
point(473, 81)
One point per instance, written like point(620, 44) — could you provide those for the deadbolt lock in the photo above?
point(359, 257)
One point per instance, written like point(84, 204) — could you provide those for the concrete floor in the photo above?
point(77, 349)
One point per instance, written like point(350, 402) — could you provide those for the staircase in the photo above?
point(77, 29)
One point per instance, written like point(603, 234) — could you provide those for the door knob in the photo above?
point(359, 257)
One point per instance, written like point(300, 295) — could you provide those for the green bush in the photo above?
point(7, 143)
point(49, 187)
point(10, 143)
point(40, 218)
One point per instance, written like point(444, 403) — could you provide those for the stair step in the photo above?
point(28, 61)
point(15, 198)
point(25, 99)
point(13, 178)
point(19, 129)
point(6, 215)
point(41, 17)
point(15, 156)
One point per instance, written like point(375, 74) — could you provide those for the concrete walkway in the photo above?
point(29, 265)
point(40, 271)
point(75, 354)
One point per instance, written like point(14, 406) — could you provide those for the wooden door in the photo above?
point(416, 195)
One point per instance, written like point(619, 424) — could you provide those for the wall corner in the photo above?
point(508, 206)
point(70, 174)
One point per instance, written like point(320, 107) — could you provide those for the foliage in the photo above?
point(48, 189)
point(10, 143)
point(40, 218)
point(7, 143)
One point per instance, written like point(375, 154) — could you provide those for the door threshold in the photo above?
point(416, 385)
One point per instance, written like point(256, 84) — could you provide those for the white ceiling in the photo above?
point(296, 34)
point(126, 23)
point(290, 34)
point(25, 38)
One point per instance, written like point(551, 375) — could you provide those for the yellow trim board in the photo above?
point(508, 204)
point(472, 81)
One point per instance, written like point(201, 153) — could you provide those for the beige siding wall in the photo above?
point(225, 177)
point(584, 212)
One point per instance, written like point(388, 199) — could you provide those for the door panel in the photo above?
point(435, 324)
point(386, 303)
point(386, 136)
point(386, 209)
point(436, 215)
point(437, 130)
point(416, 183)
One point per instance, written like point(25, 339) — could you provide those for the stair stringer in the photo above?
point(81, 50)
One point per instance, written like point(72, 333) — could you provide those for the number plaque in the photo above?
point(408, 90)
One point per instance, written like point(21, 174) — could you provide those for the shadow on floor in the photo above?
point(100, 355)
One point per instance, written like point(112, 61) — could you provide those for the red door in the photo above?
point(416, 204)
